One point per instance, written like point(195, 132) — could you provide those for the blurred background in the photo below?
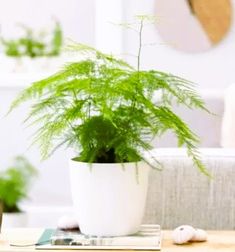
point(169, 46)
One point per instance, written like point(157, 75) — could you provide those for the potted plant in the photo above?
point(104, 109)
point(33, 50)
point(14, 185)
point(1, 211)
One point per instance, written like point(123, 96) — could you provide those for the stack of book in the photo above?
point(148, 238)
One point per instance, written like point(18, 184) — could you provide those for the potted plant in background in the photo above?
point(33, 50)
point(1, 211)
point(14, 186)
point(104, 109)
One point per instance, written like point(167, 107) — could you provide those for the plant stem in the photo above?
point(138, 61)
point(140, 44)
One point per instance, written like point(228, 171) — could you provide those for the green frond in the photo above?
point(105, 109)
point(146, 18)
point(93, 53)
point(15, 182)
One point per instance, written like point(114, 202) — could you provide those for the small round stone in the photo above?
point(183, 234)
point(200, 235)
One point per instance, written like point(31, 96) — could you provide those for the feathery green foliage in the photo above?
point(14, 183)
point(33, 45)
point(105, 108)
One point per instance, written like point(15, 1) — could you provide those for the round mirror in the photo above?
point(193, 25)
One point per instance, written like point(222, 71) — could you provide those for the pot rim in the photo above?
point(108, 164)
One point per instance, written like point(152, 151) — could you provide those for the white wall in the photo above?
point(108, 32)
point(211, 69)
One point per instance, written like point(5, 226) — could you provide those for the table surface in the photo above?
point(222, 241)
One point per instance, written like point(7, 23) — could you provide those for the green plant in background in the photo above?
point(105, 109)
point(33, 45)
point(15, 182)
point(57, 41)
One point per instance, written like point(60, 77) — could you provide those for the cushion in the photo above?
point(180, 194)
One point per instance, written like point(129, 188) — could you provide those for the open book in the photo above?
point(148, 238)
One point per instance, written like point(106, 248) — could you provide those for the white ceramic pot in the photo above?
point(14, 220)
point(109, 199)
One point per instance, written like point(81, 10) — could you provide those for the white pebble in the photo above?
point(183, 234)
point(67, 222)
point(200, 235)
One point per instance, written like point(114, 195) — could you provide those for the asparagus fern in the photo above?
point(15, 182)
point(105, 109)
